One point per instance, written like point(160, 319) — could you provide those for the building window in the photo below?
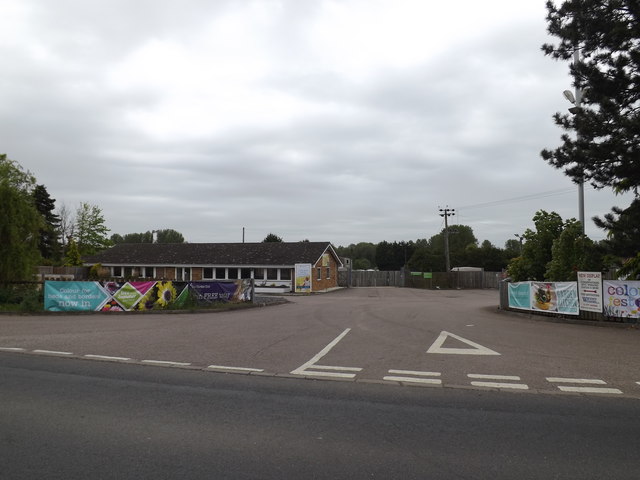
point(233, 273)
point(319, 269)
point(147, 272)
point(258, 273)
point(285, 274)
point(245, 273)
point(207, 273)
point(328, 273)
point(221, 273)
point(128, 272)
point(117, 271)
point(272, 274)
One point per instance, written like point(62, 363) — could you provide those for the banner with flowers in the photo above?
point(132, 296)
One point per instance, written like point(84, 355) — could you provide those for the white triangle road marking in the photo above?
point(476, 350)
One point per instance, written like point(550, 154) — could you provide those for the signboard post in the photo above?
point(590, 291)
point(303, 278)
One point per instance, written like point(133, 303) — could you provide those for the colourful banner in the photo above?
point(129, 296)
point(303, 278)
point(621, 298)
point(555, 297)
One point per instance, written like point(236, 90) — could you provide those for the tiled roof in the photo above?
point(268, 253)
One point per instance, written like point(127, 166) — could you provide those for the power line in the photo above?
point(523, 198)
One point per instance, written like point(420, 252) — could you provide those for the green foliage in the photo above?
point(167, 235)
point(536, 251)
point(572, 252)
point(72, 257)
point(20, 222)
point(631, 268)
point(363, 255)
point(393, 256)
point(623, 229)
point(605, 149)
point(272, 238)
point(48, 240)
point(90, 232)
point(21, 298)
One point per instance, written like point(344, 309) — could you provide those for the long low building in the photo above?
point(272, 265)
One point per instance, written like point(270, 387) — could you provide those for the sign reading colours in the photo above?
point(131, 296)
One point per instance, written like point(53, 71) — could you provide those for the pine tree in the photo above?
point(606, 149)
point(48, 242)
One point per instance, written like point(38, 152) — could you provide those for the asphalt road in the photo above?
point(388, 335)
point(63, 418)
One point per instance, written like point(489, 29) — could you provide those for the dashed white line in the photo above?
point(234, 369)
point(514, 386)
point(163, 362)
point(52, 352)
point(583, 381)
point(12, 349)
point(106, 357)
point(417, 377)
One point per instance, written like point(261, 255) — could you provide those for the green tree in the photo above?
point(90, 231)
point(20, 222)
point(536, 250)
point(571, 252)
point(605, 150)
point(48, 240)
point(272, 238)
point(72, 257)
point(169, 235)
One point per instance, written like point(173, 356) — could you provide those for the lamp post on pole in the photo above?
point(577, 100)
point(446, 213)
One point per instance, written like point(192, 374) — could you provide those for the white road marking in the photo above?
point(304, 368)
point(52, 352)
point(638, 383)
point(329, 367)
point(12, 349)
point(415, 372)
point(594, 381)
point(583, 381)
point(476, 350)
point(514, 386)
point(163, 362)
point(589, 389)
point(427, 381)
point(106, 357)
point(414, 379)
point(234, 369)
point(493, 377)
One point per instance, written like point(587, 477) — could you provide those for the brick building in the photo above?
point(272, 265)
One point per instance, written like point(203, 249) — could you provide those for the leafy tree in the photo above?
point(512, 248)
point(393, 256)
point(66, 226)
point(72, 257)
point(90, 232)
point(116, 239)
point(571, 252)
point(272, 238)
point(536, 251)
point(363, 255)
point(48, 242)
point(605, 150)
point(20, 222)
point(170, 235)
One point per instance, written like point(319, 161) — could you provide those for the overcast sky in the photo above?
point(341, 121)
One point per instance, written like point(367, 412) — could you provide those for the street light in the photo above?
point(576, 101)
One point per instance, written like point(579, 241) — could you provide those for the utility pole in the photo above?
point(446, 213)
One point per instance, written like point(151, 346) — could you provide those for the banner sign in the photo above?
point(552, 297)
point(558, 297)
point(520, 295)
point(621, 298)
point(130, 296)
point(303, 278)
point(590, 291)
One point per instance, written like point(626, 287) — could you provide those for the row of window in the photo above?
point(209, 273)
